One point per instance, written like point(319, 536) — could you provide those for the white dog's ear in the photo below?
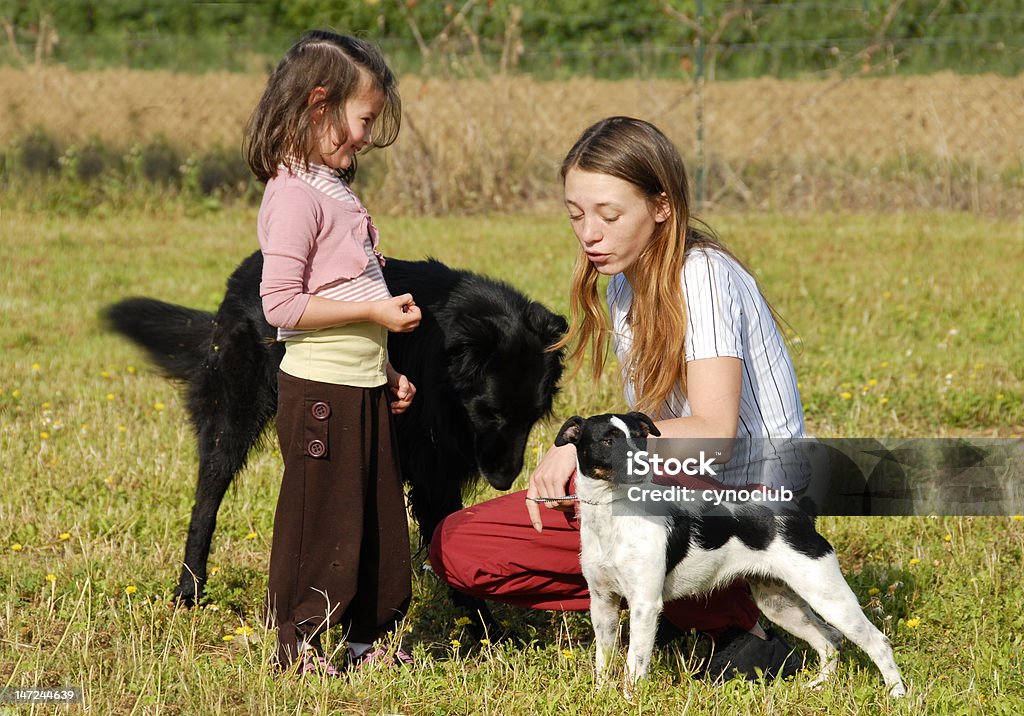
point(647, 426)
point(570, 432)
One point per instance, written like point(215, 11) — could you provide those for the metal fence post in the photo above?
point(698, 185)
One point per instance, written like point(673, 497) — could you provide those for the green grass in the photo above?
point(906, 325)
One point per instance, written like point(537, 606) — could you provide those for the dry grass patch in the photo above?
point(945, 140)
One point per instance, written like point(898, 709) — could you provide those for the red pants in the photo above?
point(491, 550)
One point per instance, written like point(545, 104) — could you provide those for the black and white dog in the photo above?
point(629, 552)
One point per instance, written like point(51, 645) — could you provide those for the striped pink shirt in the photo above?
point(317, 240)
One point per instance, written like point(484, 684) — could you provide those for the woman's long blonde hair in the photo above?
point(638, 152)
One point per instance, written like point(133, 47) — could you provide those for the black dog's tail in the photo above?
point(175, 337)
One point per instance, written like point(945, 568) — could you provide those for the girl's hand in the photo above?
point(403, 390)
point(550, 480)
point(399, 314)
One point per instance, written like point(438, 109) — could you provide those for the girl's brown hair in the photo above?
point(638, 152)
point(281, 130)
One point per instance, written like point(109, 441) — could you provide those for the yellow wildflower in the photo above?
point(463, 621)
point(64, 536)
point(873, 591)
point(846, 395)
point(913, 623)
point(130, 589)
point(16, 547)
point(228, 637)
point(915, 560)
point(251, 535)
point(51, 577)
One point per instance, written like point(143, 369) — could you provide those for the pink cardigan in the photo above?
point(309, 240)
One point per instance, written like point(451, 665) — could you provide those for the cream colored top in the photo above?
point(355, 354)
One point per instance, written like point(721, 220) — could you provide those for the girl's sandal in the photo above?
point(404, 658)
point(315, 664)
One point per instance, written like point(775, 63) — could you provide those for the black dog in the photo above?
point(479, 361)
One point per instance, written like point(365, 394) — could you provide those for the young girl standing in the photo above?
point(700, 351)
point(340, 551)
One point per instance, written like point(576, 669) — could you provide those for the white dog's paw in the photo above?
point(629, 688)
point(817, 683)
point(898, 691)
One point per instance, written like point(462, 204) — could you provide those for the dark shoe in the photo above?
point(739, 653)
point(668, 633)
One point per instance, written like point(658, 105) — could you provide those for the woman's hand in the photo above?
point(550, 480)
point(400, 387)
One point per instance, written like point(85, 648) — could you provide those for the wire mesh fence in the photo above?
point(775, 105)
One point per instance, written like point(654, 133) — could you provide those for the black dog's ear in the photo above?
point(549, 326)
point(570, 432)
point(557, 326)
point(647, 426)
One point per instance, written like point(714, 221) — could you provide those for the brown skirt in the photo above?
point(340, 551)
